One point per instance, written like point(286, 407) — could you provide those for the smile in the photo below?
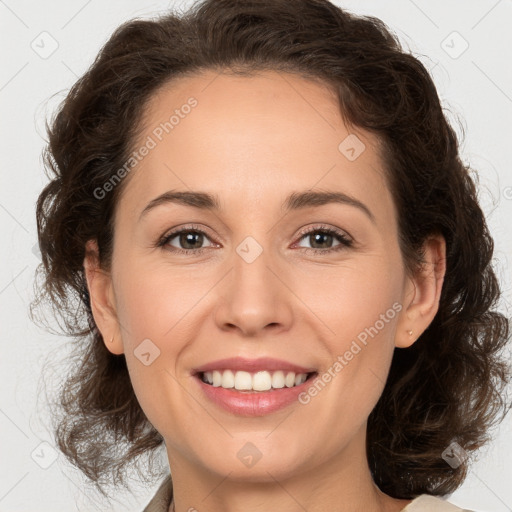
point(248, 400)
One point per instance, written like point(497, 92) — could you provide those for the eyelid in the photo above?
point(325, 227)
point(188, 227)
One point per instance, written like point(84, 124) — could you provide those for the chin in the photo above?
point(263, 469)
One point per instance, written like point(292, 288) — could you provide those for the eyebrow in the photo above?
point(295, 201)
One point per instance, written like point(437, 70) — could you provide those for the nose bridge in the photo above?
point(253, 285)
point(255, 297)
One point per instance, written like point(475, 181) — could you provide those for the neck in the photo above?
point(343, 483)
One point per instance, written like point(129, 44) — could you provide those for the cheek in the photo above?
point(356, 297)
point(361, 311)
point(154, 302)
point(152, 307)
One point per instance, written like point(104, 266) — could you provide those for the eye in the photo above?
point(324, 235)
point(189, 240)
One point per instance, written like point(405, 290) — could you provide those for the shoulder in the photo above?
point(163, 497)
point(428, 503)
point(423, 503)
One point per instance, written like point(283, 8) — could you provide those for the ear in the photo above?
point(422, 293)
point(101, 293)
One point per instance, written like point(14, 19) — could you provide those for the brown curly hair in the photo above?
point(447, 386)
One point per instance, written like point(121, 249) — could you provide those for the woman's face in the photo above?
point(255, 284)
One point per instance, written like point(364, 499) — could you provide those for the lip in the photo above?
point(252, 365)
point(253, 403)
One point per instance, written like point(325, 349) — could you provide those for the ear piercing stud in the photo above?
point(409, 333)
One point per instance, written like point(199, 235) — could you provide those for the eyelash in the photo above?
point(345, 242)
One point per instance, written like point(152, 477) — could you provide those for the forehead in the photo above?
point(265, 134)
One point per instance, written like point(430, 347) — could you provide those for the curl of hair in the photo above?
point(447, 386)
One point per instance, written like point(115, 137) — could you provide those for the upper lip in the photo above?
point(252, 365)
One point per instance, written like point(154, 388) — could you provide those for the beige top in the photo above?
point(423, 503)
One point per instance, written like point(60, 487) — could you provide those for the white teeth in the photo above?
point(243, 380)
point(278, 380)
point(216, 378)
point(259, 381)
point(298, 379)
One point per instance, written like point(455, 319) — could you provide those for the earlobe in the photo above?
point(99, 285)
point(422, 293)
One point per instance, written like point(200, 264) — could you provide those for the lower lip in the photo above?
point(253, 403)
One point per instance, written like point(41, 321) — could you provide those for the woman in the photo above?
point(193, 165)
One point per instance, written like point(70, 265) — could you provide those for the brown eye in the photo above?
point(185, 241)
point(322, 239)
point(189, 239)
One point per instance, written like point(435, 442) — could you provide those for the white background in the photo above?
point(475, 87)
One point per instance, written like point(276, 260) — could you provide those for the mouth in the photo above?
point(249, 395)
point(254, 382)
point(253, 387)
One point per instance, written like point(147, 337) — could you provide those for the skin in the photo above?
point(267, 135)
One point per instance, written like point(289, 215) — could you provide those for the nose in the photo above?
point(255, 297)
